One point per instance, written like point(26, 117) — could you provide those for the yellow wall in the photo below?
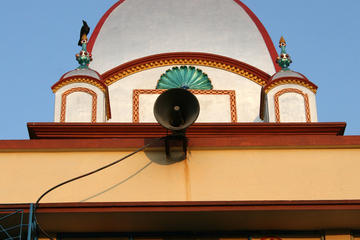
point(207, 175)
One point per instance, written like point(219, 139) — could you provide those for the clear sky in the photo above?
point(38, 42)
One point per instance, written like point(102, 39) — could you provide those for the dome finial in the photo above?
point(284, 59)
point(84, 57)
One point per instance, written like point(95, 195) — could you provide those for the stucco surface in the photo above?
point(247, 95)
point(207, 175)
point(292, 107)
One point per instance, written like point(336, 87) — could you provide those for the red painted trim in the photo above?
point(264, 33)
point(98, 27)
point(107, 97)
point(79, 89)
point(79, 76)
point(187, 55)
point(292, 90)
point(297, 79)
point(198, 130)
point(239, 142)
point(95, 137)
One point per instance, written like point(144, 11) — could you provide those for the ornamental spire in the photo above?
point(284, 59)
point(84, 57)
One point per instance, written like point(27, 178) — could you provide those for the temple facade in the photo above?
point(256, 163)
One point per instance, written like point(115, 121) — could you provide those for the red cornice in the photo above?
point(240, 142)
point(153, 130)
point(103, 137)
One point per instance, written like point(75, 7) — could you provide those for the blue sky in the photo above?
point(38, 43)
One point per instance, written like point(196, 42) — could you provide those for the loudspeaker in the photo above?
point(176, 109)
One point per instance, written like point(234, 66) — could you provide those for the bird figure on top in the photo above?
point(84, 57)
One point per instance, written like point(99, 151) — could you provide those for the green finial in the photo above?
point(284, 59)
point(83, 57)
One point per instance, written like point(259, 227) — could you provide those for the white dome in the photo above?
point(287, 73)
point(82, 72)
point(133, 29)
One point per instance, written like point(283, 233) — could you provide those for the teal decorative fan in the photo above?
point(184, 77)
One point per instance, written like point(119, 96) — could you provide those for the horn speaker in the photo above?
point(176, 109)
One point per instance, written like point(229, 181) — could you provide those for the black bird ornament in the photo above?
point(85, 29)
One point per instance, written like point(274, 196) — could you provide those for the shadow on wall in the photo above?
point(155, 156)
point(117, 184)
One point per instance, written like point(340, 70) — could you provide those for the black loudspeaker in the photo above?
point(176, 109)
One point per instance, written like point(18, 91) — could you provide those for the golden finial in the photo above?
point(282, 42)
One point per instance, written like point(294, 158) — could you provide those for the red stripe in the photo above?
point(98, 27)
point(264, 33)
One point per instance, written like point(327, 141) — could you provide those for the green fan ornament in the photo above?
point(184, 77)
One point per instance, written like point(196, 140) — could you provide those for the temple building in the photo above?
point(244, 158)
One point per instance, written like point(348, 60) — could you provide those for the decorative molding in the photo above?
point(186, 58)
point(231, 93)
point(187, 77)
point(293, 80)
point(291, 90)
point(79, 89)
point(140, 132)
point(79, 79)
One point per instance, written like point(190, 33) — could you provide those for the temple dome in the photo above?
point(82, 72)
point(287, 74)
point(133, 29)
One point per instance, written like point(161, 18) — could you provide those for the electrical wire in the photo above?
point(82, 176)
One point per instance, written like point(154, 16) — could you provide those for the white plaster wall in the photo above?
point(78, 107)
point(138, 28)
point(73, 111)
point(289, 112)
point(213, 108)
point(247, 93)
point(292, 107)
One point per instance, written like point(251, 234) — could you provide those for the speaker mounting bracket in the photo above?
point(176, 146)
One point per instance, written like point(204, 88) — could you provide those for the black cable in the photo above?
point(82, 176)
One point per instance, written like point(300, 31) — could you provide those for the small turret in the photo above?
point(81, 95)
point(290, 96)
